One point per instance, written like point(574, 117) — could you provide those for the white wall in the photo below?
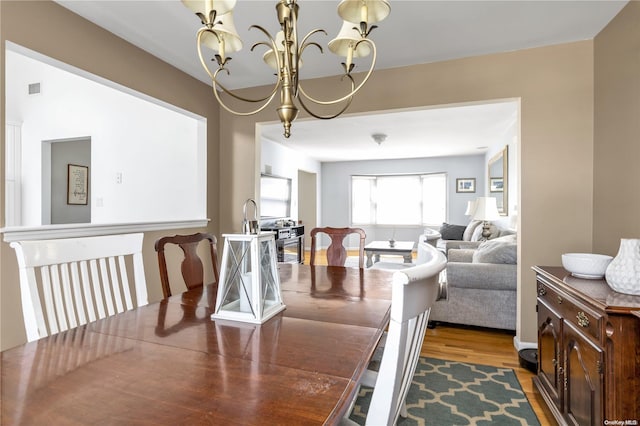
point(277, 159)
point(336, 198)
point(159, 152)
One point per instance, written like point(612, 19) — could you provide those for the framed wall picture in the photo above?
point(496, 185)
point(77, 184)
point(466, 185)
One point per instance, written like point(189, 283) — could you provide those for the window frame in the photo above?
point(373, 205)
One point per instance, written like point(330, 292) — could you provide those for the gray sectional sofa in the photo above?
point(480, 287)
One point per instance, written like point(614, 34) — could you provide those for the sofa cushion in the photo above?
point(460, 255)
point(452, 232)
point(482, 276)
point(498, 250)
point(502, 233)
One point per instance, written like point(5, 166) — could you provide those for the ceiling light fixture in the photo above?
point(379, 138)
point(220, 35)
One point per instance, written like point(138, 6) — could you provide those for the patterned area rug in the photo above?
point(447, 393)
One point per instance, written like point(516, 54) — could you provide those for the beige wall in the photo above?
point(617, 131)
point(555, 85)
point(47, 28)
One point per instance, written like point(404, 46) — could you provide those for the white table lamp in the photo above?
point(471, 208)
point(249, 288)
point(486, 210)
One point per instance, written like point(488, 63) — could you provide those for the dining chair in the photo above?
point(74, 281)
point(191, 267)
point(336, 252)
point(413, 292)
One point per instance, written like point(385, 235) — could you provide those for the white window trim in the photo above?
point(25, 233)
point(375, 224)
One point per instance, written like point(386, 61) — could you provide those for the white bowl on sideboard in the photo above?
point(586, 265)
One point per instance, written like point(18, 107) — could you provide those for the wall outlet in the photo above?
point(119, 177)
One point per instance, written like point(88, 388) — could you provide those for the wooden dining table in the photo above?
point(170, 363)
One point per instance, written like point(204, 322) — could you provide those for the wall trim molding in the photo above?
point(24, 233)
point(519, 344)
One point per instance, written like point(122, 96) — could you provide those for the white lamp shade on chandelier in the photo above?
point(486, 209)
point(346, 42)
point(371, 11)
point(227, 40)
point(205, 6)
point(270, 58)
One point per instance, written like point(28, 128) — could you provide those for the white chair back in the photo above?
point(414, 290)
point(65, 283)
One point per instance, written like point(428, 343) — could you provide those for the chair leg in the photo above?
point(403, 410)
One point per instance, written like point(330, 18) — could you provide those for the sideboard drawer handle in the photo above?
point(559, 300)
point(541, 291)
point(583, 321)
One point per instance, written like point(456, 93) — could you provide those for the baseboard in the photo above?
point(519, 345)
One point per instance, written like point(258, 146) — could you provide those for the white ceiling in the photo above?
point(435, 132)
point(415, 32)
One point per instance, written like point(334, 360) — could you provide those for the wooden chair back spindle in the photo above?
point(336, 252)
point(192, 266)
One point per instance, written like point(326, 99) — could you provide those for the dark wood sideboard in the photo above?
point(588, 350)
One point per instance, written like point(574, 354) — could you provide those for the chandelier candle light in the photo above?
point(285, 51)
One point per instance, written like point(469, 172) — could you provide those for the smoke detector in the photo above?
point(379, 138)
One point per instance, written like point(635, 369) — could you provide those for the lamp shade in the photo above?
point(486, 209)
point(269, 56)
point(227, 35)
point(205, 6)
point(369, 11)
point(471, 208)
point(346, 40)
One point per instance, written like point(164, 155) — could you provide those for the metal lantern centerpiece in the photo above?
point(249, 287)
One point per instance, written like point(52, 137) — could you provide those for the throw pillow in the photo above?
point(452, 232)
point(477, 233)
point(499, 250)
point(470, 229)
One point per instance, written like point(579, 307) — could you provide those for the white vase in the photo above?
point(623, 273)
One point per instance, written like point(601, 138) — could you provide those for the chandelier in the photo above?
point(285, 52)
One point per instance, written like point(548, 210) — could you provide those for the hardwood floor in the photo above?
point(479, 346)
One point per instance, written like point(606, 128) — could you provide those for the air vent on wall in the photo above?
point(34, 88)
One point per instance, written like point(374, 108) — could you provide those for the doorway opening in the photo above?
point(57, 156)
